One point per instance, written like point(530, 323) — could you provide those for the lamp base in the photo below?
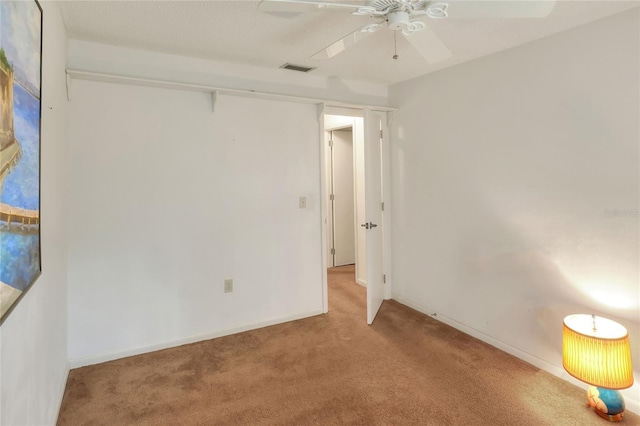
point(607, 403)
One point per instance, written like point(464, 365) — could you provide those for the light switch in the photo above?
point(303, 202)
point(228, 285)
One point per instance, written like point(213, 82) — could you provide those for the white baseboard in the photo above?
point(104, 357)
point(632, 404)
point(63, 387)
point(363, 283)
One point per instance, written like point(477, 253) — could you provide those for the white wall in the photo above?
point(94, 57)
point(33, 338)
point(168, 200)
point(503, 170)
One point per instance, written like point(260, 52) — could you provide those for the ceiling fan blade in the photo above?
point(500, 9)
point(427, 43)
point(345, 42)
point(299, 6)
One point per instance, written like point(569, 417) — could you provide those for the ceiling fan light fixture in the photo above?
point(366, 11)
point(371, 28)
point(398, 20)
point(437, 11)
point(377, 8)
point(412, 27)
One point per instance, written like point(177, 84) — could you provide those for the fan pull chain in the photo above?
point(395, 45)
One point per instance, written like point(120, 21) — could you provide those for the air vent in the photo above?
point(293, 67)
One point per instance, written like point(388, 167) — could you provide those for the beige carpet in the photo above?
point(406, 369)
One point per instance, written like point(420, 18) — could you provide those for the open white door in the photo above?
point(373, 211)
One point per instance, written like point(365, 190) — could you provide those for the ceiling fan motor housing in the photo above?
point(398, 20)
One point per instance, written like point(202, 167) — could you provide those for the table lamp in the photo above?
point(596, 350)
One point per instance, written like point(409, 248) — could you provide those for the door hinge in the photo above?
point(333, 251)
point(380, 133)
point(383, 206)
point(332, 197)
point(384, 278)
point(330, 143)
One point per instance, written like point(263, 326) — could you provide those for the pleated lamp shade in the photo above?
point(596, 351)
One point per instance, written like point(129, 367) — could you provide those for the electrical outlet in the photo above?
point(228, 285)
point(303, 202)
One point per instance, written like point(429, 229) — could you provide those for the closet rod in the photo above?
point(114, 78)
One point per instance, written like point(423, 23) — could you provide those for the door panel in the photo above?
point(373, 209)
point(343, 203)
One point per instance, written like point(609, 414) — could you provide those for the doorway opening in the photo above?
point(356, 137)
point(344, 139)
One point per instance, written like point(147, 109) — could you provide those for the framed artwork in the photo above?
point(20, 81)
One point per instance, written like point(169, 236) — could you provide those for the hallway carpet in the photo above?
point(405, 369)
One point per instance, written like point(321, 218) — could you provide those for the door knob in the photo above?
point(369, 225)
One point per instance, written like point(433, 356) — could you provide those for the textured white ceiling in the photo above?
point(235, 31)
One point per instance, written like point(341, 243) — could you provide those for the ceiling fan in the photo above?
point(406, 16)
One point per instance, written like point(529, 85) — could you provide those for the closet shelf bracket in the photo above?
point(214, 99)
point(68, 86)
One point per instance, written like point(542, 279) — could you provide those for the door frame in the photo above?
point(330, 157)
point(323, 109)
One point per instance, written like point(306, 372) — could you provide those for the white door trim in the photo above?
point(323, 109)
point(386, 199)
point(323, 206)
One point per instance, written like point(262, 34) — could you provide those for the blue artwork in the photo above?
point(20, 77)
